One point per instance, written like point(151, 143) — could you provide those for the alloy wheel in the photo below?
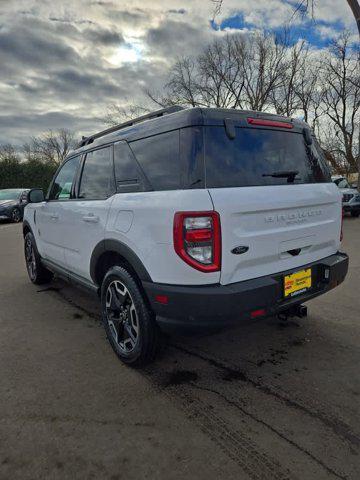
point(30, 258)
point(122, 317)
point(16, 216)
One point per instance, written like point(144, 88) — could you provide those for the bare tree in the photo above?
point(234, 72)
point(285, 98)
point(340, 70)
point(51, 147)
point(332, 145)
point(303, 7)
point(217, 7)
point(116, 114)
point(263, 68)
point(309, 6)
point(217, 74)
point(184, 84)
point(309, 92)
point(9, 153)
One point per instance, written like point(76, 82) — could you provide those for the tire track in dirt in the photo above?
point(340, 428)
point(231, 437)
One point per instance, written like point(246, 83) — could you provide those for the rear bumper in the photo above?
point(221, 305)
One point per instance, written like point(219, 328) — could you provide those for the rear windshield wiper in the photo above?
point(289, 174)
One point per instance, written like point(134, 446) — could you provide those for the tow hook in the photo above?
point(299, 311)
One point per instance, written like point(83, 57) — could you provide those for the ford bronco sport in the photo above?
point(190, 217)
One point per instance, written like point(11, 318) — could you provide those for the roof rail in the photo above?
point(143, 118)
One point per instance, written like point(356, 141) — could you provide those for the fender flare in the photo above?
point(126, 252)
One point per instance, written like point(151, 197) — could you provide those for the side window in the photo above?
point(158, 157)
point(61, 188)
point(97, 175)
point(127, 173)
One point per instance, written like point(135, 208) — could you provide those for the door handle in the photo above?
point(91, 218)
point(54, 216)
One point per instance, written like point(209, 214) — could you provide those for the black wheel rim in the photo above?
point(30, 259)
point(16, 215)
point(121, 317)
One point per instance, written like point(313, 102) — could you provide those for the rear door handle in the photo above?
point(91, 218)
point(54, 216)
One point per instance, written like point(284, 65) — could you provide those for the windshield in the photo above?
point(259, 157)
point(10, 194)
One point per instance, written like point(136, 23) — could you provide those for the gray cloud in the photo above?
point(174, 38)
point(19, 127)
point(104, 36)
point(57, 58)
point(55, 68)
point(136, 17)
point(180, 11)
point(31, 48)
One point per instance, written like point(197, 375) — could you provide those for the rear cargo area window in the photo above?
point(158, 157)
point(259, 157)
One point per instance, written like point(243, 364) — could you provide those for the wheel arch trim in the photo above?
point(112, 245)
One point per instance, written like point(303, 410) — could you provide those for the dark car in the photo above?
point(12, 204)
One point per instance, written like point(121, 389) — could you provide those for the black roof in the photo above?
point(174, 118)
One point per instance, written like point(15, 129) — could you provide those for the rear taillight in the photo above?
point(197, 239)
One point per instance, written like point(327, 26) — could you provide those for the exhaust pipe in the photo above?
point(299, 311)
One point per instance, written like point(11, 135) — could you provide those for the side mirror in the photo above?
point(36, 195)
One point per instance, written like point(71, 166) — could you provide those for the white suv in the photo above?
point(190, 217)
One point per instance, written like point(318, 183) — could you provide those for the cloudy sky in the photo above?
point(63, 62)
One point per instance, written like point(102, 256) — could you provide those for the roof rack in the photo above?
point(143, 118)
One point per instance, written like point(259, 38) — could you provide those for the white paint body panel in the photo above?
point(271, 221)
point(50, 238)
point(151, 232)
point(84, 224)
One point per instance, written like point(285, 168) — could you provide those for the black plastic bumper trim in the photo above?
point(220, 305)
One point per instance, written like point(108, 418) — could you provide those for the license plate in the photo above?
point(297, 283)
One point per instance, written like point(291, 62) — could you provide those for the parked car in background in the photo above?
point(350, 196)
point(12, 204)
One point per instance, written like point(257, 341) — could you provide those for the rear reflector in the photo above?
point(162, 299)
point(269, 123)
point(258, 313)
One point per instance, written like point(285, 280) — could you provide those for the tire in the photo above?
point(16, 215)
point(38, 274)
point(128, 321)
point(355, 214)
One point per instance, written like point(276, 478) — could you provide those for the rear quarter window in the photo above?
point(128, 175)
point(158, 157)
point(254, 154)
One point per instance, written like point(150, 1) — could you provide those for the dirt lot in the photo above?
point(269, 400)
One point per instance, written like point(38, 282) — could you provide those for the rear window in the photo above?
point(255, 154)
